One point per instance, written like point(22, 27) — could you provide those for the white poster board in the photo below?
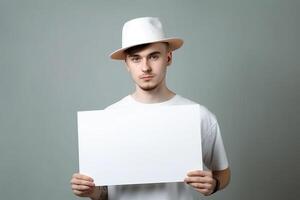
point(136, 146)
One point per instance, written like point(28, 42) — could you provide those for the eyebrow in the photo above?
point(150, 54)
point(155, 52)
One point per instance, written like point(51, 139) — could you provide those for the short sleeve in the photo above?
point(214, 155)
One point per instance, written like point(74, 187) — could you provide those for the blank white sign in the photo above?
point(137, 146)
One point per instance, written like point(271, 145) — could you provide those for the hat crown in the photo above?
point(141, 30)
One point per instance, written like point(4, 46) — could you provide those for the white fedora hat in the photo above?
point(143, 30)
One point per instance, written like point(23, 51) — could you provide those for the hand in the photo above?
point(83, 186)
point(202, 181)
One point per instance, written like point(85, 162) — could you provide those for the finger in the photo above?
point(83, 177)
point(77, 192)
point(205, 192)
point(199, 173)
point(80, 193)
point(81, 187)
point(200, 185)
point(82, 182)
point(198, 179)
point(193, 179)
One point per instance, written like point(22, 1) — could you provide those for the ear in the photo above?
point(169, 57)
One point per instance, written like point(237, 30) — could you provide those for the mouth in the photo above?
point(146, 77)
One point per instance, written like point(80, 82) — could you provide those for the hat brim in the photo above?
point(174, 43)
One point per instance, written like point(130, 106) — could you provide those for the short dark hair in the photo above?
point(137, 48)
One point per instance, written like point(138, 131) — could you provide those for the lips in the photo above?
point(146, 77)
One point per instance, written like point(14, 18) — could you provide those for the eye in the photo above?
point(154, 57)
point(135, 59)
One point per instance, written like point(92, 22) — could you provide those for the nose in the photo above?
point(145, 66)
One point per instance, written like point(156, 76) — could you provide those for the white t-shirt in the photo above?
point(213, 154)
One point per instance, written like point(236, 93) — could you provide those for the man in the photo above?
point(148, 54)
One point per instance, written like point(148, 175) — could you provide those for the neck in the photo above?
point(156, 95)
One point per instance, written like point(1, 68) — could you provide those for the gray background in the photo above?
point(240, 59)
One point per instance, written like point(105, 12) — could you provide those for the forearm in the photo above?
point(100, 193)
point(223, 176)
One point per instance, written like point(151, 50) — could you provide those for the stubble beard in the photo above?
point(150, 87)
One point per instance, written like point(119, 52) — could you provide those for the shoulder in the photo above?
point(205, 114)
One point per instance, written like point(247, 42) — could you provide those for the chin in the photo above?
point(148, 87)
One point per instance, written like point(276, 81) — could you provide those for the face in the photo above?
point(148, 66)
